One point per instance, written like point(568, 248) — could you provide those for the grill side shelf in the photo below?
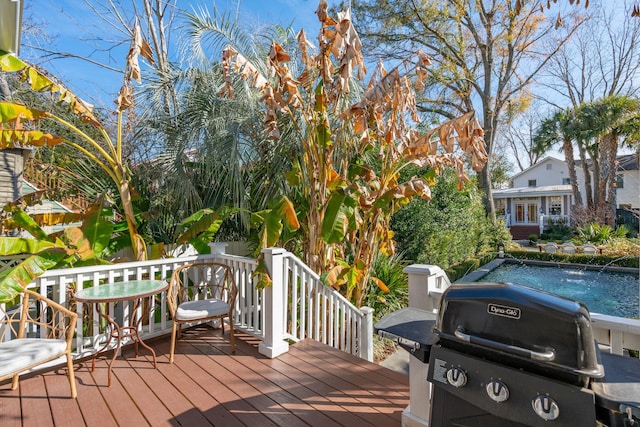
point(411, 329)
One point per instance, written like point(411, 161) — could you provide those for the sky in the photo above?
point(72, 27)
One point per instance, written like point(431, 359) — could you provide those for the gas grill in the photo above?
point(505, 355)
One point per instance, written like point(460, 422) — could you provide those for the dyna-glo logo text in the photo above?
point(503, 310)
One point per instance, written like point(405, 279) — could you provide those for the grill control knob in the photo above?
point(457, 377)
point(497, 391)
point(546, 408)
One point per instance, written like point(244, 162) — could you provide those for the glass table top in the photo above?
point(121, 291)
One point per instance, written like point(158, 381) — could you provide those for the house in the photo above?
point(543, 192)
point(13, 185)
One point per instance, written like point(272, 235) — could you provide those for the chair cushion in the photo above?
point(18, 354)
point(200, 309)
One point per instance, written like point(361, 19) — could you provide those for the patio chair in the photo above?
point(201, 292)
point(550, 247)
point(34, 332)
point(589, 249)
point(568, 248)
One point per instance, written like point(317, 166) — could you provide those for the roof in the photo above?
point(535, 165)
point(626, 162)
point(547, 190)
point(46, 205)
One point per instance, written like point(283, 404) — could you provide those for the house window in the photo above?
point(500, 206)
point(532, 183)
point(619, 181)
point(549, 166)
point(566, 181)
point(555, 205)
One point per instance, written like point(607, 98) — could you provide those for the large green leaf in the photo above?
point(13, 281)
point(272, 222)
point(22, 245)
point(336, 220)
point(203, 224)
point(10, 63)
point(27, 223)
point(40, 82)
point(271, 230)
point(286, 211)
point(96, 229)
point(11, 112)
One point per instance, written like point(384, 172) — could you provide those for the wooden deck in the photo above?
point(312, 384)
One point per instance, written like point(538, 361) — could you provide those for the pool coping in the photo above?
point(479, 273)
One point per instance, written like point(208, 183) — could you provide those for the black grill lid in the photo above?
point(518, 323)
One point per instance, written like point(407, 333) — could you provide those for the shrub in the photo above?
point(533, 237)
point(450, 228)
point(630, 261)
point(389, 270)
point(558, 230)
point(599, 233)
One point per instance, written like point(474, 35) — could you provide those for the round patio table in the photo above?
point(136, 291)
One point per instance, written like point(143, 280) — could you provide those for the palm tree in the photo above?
point(215, 153)
point(560, 128)
point(609, 122)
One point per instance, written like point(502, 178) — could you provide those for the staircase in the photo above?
point(45, 177)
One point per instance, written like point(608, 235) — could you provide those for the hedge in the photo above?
point(459, 270)
point(604, 260)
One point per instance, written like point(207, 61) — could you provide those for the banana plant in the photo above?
point(354, 143)
point(20, 126)
point(199, 228)
point(74, 246)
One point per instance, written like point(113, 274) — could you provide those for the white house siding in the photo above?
point(550, 171)
point(11, 165)
point(630, 193)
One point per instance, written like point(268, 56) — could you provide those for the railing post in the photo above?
point(274, 305)
point(426, 285)
point(218, 248)
point(366, 334)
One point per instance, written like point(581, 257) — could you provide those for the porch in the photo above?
point(312, 384)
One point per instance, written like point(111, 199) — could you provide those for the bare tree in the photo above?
point(485, 53)
point(517, 134)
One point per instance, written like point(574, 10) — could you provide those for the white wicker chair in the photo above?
point(199, 292)
point(36, 331)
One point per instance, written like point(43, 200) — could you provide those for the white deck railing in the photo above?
point(295, 307)
point(321, 313)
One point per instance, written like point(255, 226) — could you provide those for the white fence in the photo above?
point(295, 307)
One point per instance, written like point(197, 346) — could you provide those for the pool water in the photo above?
point(611, 293)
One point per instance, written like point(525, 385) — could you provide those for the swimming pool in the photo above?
point(605, 292)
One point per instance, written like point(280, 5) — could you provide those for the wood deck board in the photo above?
point(10, 411)
point(65, 411)
point(94, 409)
point(312, 385)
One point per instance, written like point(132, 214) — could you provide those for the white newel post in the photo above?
point(274, 305)
point(425, 288)
point(218, 248)
point(366, 334)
